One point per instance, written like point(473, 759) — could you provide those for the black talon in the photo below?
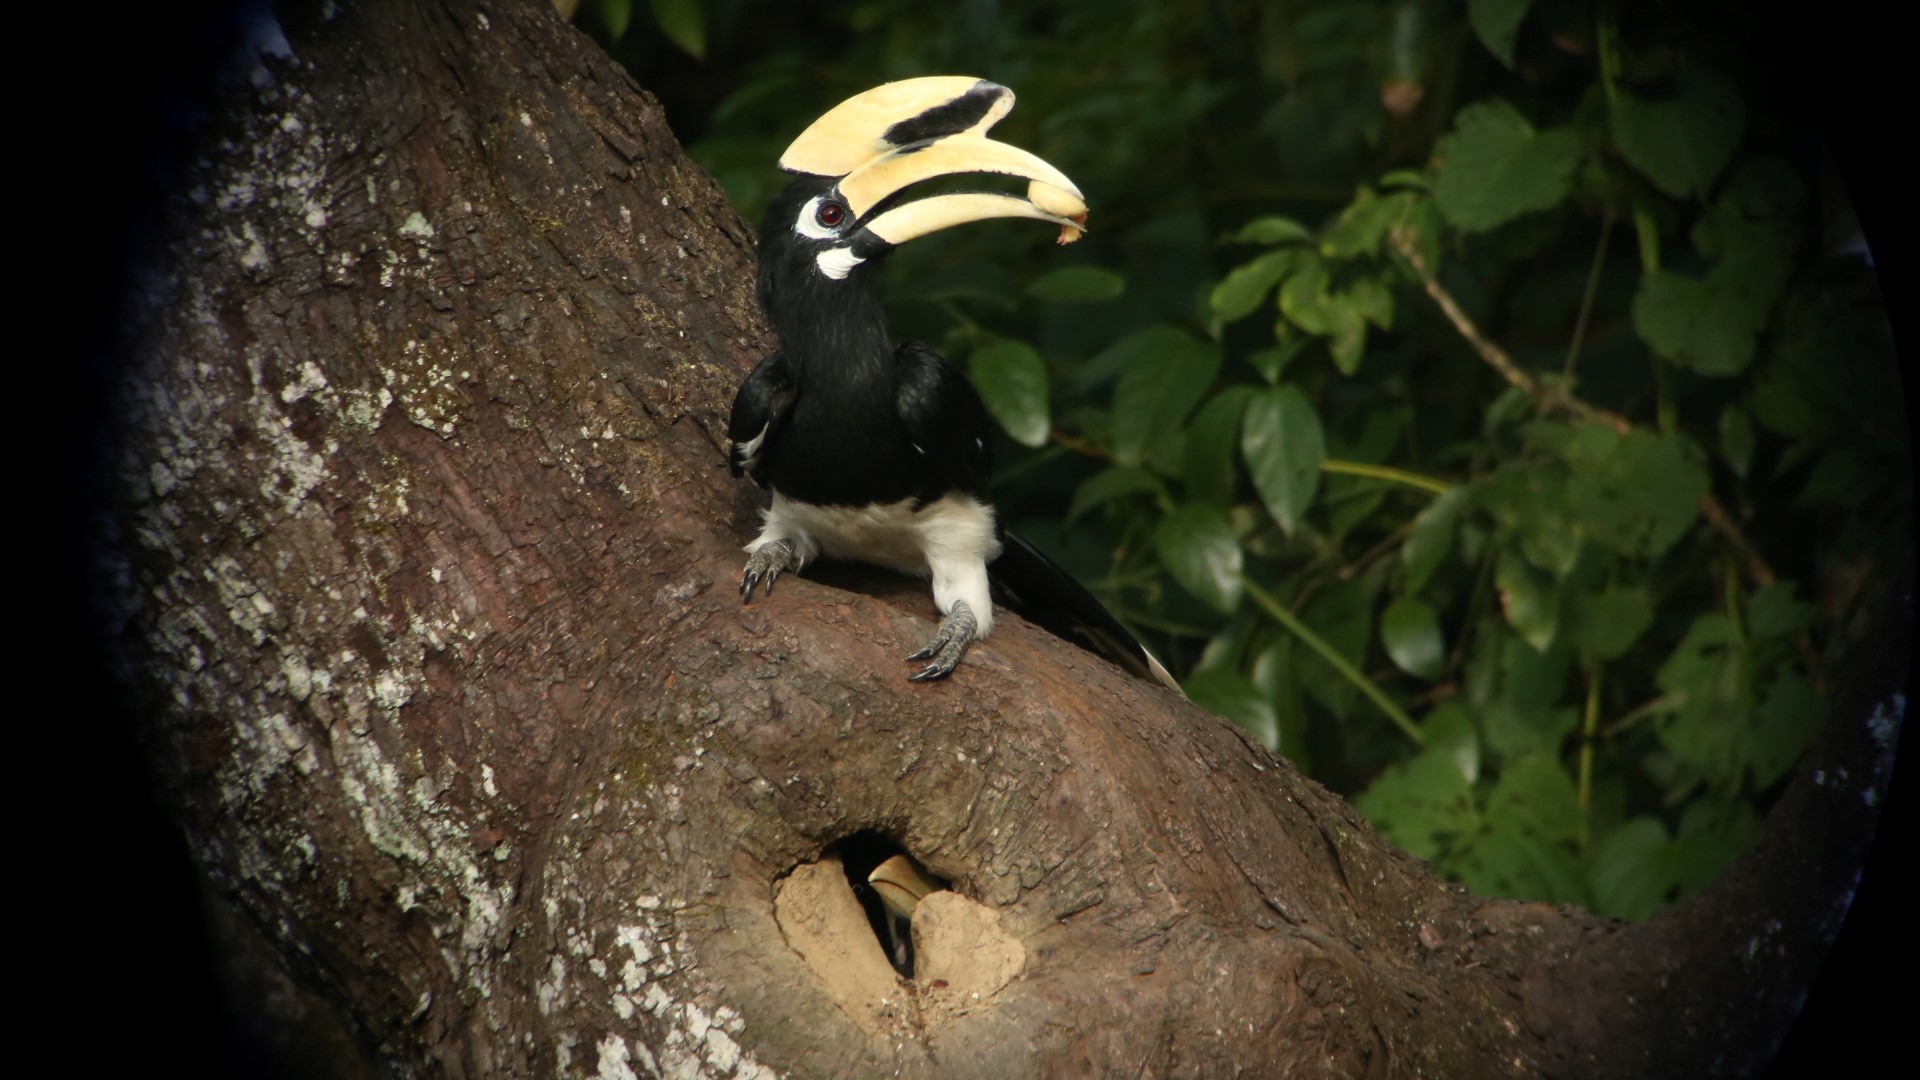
point(949, 644)
point(767, 564)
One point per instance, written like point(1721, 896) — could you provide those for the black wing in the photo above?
point(944, 417)
point(760, 410)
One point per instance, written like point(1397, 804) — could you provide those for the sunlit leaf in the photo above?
point(1012, 380)
point(1247, 284)
point(1280, 438)
point(1527, 598)
point(1410, 631)
point(1198, 548)
point(1430, 538)
point(1450, 729)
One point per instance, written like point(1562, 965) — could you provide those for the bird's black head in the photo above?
point(823, 235)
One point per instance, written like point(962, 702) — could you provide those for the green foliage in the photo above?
point(1517, 631)
point(1496, 166)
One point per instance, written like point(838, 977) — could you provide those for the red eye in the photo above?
point(830, 214)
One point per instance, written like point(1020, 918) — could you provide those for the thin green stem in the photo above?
point(1384, 472)
point(1334, 660)
point(1589, 724)
point(1586, 300)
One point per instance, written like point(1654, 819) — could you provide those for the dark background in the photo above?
point(112, 873)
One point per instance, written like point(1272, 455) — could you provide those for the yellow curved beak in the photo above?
point(901, 884)
point(894, 136)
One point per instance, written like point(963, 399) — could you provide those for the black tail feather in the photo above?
point(1042, 593)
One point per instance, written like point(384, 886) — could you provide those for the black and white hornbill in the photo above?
point(878, 453)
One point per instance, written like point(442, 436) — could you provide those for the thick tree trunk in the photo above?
point(424, 577)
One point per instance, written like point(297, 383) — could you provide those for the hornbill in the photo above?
point(878, 453)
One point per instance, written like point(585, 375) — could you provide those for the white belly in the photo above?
point(950, 540)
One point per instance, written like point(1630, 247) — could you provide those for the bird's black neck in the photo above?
point(832, 333)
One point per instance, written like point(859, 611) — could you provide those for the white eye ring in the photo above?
point(808, 223)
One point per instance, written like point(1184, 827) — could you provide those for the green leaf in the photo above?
point(1246, 285)
point(1634, 870)
point(1113, 483)
point(1360, 227)
point(1166, 373)
point(1785, 719)
point(1412, 179)
point(1507, 862)
point(1536, 794)
point(1711, 836)
point(1430, 538)
point(1497, 24)
point(1270, 362)
point(1304, 300)
point(1012, 380)
point(1373, 301)
point(1737, 439)
point(1198, 548)
point(1348, 342)
point(1495, 167)
point(1607, 623)
point(1527, 599)
point(1682, 138)
point(683, 24)
point(1449, 729)
point(1225, 693)
point(1695, 323)
point(1211, 440)
point(1636, 493)
point(1271, 229)
point(1709, 680)
point(1410, 631)
point(1711, 324)
point(1423, 806)
point(1077, 285)
point(1283, 445)
point(617, 14)
point(1773, 611)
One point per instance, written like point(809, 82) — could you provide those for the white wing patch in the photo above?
point(749, 451)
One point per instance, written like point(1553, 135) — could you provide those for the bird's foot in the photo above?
point(949, 644)
point(773, 559)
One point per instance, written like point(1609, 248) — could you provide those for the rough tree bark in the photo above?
point(423, 572)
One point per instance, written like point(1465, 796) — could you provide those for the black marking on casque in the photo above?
point(949, 118)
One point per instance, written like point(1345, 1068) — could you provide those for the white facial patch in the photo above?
point(837, 262)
